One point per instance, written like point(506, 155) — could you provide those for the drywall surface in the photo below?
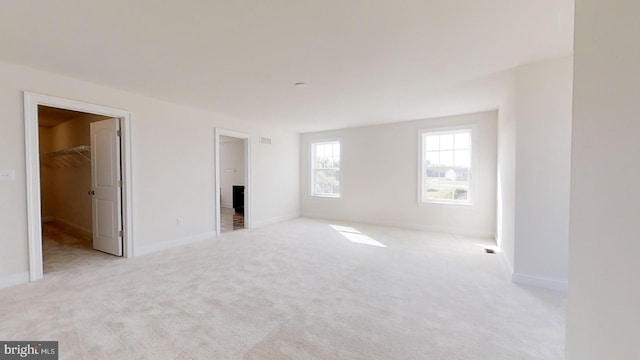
point(543, 155)
point(380, 177)
point(603, 317)
point(231, 169)
point(47, 191)
point(506, 182)
point(534, 140)
point(65, 184)
point(172, 165)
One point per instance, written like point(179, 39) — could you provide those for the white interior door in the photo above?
point(106, 186)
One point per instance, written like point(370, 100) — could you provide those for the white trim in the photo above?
point(541, 282)
point(312, 160)
point(227, 206)
point(14, 279)
point(410, 226)
point(32, 164)
point(247, 176)
point(144, 250)
point(532, 280)
point(276, 219)
point(471, 128)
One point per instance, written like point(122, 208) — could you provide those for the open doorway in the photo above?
point(79, 155)
point(232, 183)
point(78, 182)
point(233, 176)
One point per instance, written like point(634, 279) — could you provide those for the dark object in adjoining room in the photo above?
point(238, 198)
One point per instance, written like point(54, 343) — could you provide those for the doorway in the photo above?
point(69, 144)
point(233, 190)
point(85, 156)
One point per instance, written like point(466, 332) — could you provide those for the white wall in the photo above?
point(232, 169)
point(47, 192)
point(603, 317)
point(64, 187)
point(534, 169)
point(380, 178)
point(275, 172)
point(543, 156)
point(173, 165)
point(506, 182)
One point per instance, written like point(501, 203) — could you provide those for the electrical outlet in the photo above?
point(7, 175)
point(179, 222)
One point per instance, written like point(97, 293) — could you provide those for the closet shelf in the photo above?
point(70, 157)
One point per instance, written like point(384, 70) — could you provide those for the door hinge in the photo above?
point(118, 132)
point(120, 233)
point(119, 183)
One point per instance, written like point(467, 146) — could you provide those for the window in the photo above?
point(325, 168)
point(445, 173)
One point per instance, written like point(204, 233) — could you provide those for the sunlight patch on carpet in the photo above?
point(356, 236)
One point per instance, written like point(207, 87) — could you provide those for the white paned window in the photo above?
point(446, 168)
point(325, 168)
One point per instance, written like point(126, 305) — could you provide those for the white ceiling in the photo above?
point(365, 61)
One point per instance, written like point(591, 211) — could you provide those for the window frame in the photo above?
point(312, 161)
point(471, 129)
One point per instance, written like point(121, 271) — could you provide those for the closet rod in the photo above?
point(78, 150)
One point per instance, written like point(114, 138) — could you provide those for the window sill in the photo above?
point(325, 196)
point(449, 203)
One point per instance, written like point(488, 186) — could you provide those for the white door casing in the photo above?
point(32, 164)
point(106, 190)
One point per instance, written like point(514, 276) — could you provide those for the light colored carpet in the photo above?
point(294, 290)
point(65, 248)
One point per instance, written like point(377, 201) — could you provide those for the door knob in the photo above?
point(91, 192)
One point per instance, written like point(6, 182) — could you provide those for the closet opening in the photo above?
point(80, 181)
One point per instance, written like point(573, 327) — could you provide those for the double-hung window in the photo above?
point(325, 168)
point(446, 169)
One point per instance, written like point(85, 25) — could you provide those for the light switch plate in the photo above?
point(7, 175)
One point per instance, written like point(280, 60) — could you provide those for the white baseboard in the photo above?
point(532, 280)
point(541, 282)
point(410, 226)
point(228, 206)
point(506, 265)
point(274, 220)
point(143, 250)
point(14, 279)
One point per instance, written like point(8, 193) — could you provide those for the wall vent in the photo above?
point(265, 140)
